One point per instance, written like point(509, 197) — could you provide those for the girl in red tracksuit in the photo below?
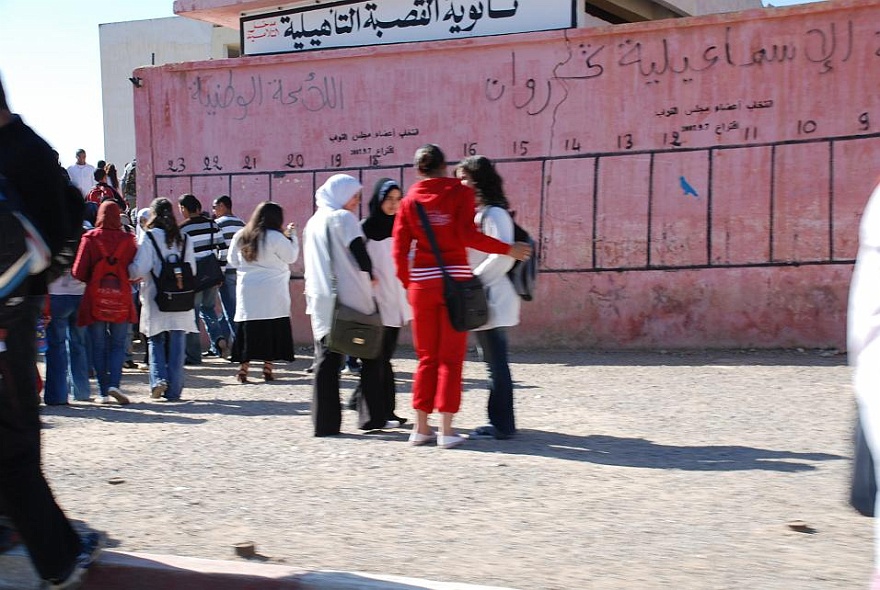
point(441, 350)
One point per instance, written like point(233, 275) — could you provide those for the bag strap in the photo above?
point(423, 215)
point(159, 252)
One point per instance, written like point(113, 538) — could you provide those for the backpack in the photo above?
point(524, 273)
point(175, 285)
point(23, 252)
point(109, 291)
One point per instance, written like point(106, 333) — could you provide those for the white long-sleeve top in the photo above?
point(389, 292)
point(492, 269)
point(863, 334)
point(154, 321)
point(353, 287)
point(262, 290)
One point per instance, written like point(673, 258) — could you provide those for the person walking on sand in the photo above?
point(450, 209)
point(165, 330)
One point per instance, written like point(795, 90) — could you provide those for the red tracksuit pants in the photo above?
point(440, 349)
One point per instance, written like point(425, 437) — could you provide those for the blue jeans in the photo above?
point(500, 406)
point(166, 361)
point(227, 301)
point(206, 308)
point(67, 362)
point(108, 348)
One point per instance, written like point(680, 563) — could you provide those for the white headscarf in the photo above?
point(337, 191)
point(141, 217)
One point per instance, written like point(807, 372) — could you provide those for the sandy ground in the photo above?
point(631, 470)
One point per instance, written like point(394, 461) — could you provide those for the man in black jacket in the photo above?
point(59, 554)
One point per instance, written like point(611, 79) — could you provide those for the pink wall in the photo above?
point(603, 136)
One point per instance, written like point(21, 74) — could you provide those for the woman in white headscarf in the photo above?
point(334, 230)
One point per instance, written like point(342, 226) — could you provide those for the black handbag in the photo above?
point(209, 273)
point(352, 332)
point(465, 300)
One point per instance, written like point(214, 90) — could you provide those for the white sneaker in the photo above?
point(103, 399)
point(448, 442)
point(118, 396)
point(391, 424)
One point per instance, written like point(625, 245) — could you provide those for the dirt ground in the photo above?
point(631, 470)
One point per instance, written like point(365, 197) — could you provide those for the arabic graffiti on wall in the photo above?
point(712, 150)
point(353, 24)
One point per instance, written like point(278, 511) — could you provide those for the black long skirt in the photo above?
point(263, 340)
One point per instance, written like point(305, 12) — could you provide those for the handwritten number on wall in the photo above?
point(625, 141)
point(336, 161)
point(212, 163)
point(864, 122)
point(572, 145)
point(295, 161)
point(521, 148)
point(469, 149)
point(250, 163)
point(807, 127)
point(673, 139)
point(179, 167)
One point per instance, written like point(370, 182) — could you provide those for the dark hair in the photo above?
point(80, 151)
point(112, 175)
point(224, 200)
point(485, 180)
point(189, 202)
point(100, 165)
point(3, 104)
point(429, 160)
point(162, 216)
point(99, 174)
point(266, 217)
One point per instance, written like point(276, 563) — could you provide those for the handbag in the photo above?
point(466, 301)
point(352, 332)
point(209, 273)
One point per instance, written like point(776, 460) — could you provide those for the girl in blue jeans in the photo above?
point(166, 330)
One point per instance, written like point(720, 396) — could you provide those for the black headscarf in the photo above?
point(377, 226)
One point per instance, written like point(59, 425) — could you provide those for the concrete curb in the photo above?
point(142, 571)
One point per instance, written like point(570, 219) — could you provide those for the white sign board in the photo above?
point(354, 24)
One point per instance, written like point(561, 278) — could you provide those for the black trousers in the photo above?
point(376, 393)
point(326, 405)
point(25, 496)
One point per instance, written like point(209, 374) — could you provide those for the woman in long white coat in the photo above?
point(333, 246)
point(493, 219)
point(165, 330)
point(262, 253)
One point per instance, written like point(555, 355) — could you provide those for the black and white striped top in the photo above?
point(202, 231)
point(229, 225)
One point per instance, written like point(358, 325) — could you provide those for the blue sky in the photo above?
point(51, 68)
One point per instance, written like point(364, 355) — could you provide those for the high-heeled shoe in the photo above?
point(267, 374)
point(241, 376)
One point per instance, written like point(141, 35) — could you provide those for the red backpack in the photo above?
point(109, 290)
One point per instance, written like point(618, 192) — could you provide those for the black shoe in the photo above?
point(209, 353)
point(129, 364)
point(92, 544)
point(398, 418)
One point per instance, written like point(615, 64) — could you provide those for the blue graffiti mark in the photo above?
point(687, 188)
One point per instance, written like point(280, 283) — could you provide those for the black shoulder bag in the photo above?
point(465, 300)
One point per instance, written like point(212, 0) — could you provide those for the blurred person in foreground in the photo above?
point(60, 555)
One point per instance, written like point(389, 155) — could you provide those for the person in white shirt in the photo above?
point(261, 254)
point(863, 339)
point(333, 246)
point(82, 175)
